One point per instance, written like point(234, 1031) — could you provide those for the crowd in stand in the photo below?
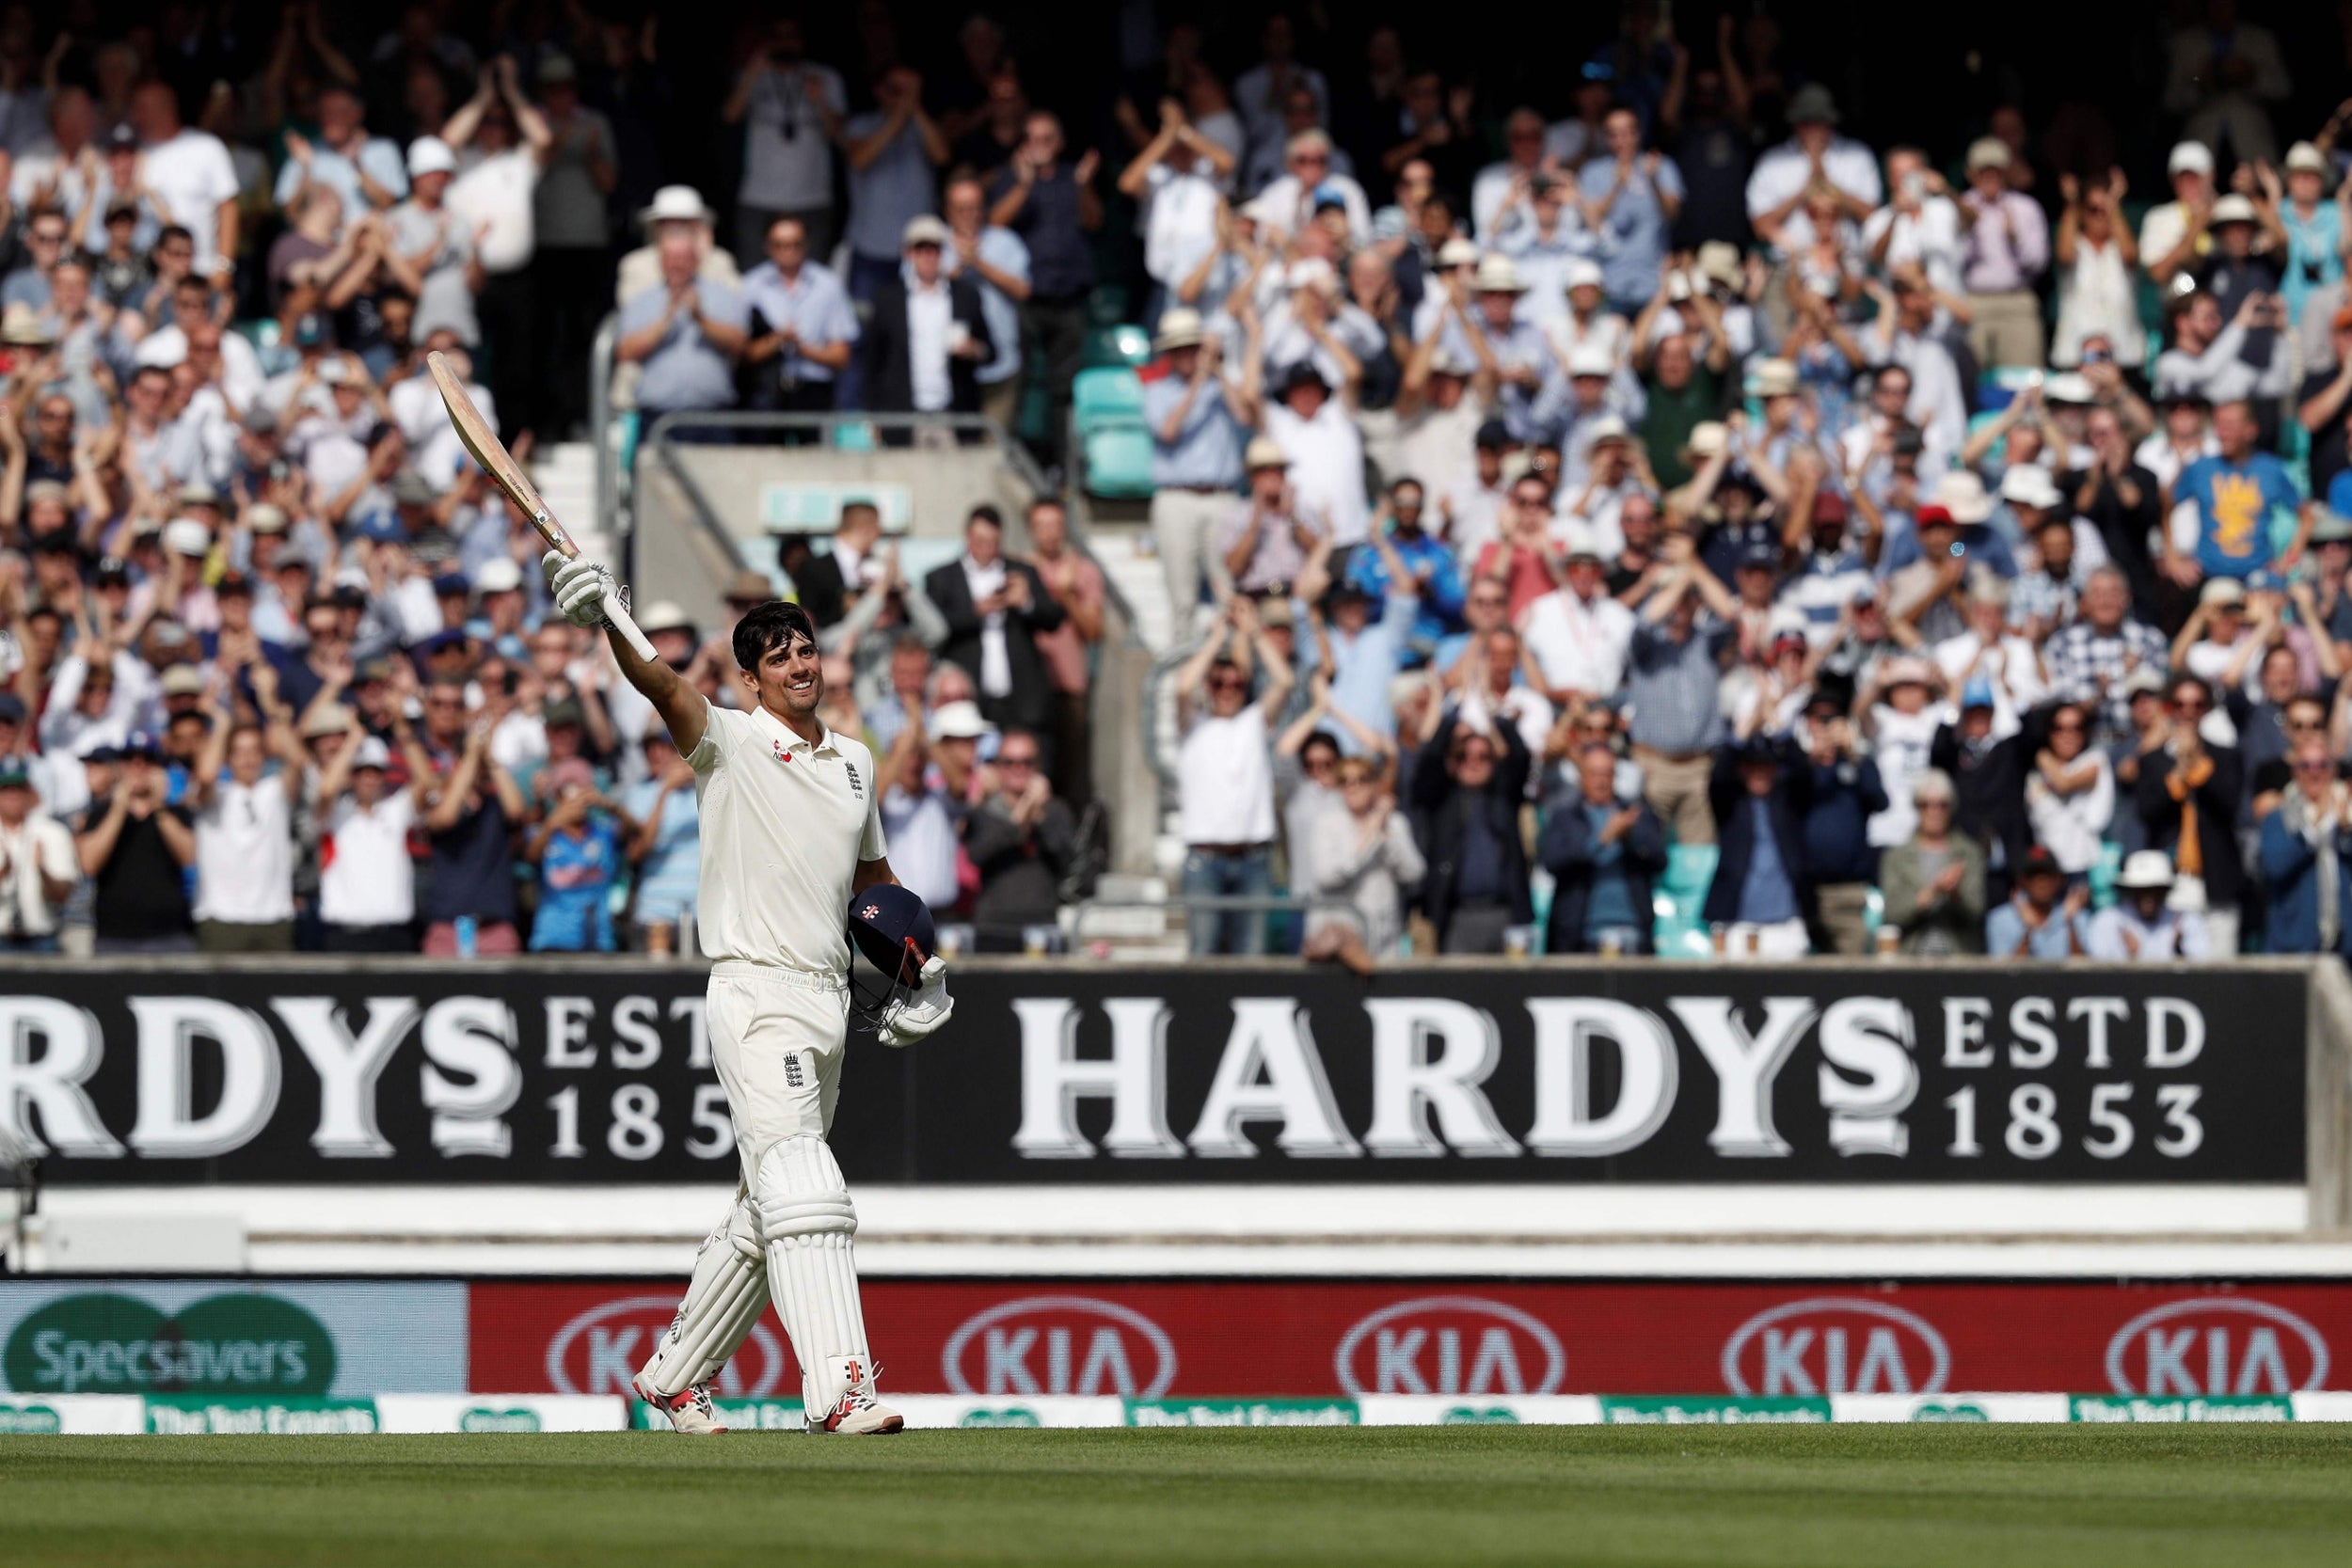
point(1559, 496)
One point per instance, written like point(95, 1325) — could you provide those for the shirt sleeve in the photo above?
point(871, 846)
point(721, 735)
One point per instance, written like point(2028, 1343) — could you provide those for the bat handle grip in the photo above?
point(617, 618)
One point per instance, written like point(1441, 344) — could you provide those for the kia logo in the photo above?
point(600, 1350)
point(1836, 1345)
point(2217, 1345)
point(1059, 1345)
point(1449, 1345)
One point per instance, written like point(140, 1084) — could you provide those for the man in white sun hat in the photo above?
point(2138, 927)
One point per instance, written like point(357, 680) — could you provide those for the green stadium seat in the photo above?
point(2103, 873)
point(854, 436)
point(1108, 305)
point(1117, 461)
point(1106, 395)
point(1123, 344)
point(1690, 867)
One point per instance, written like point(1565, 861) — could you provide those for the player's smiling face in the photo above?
point(790, 680)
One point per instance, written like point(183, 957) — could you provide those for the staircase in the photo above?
point(565, 473)
point(1123, 550)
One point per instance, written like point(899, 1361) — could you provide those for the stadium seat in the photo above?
point(1123, 344)
point(2103, 874)
point(1678, 930)
point(1119, 461)
point(1106, 395)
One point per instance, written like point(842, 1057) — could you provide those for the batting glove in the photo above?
point(581, 587)
point(913, 1018)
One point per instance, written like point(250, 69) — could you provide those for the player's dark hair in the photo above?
point(769, 628)
point(984, 512)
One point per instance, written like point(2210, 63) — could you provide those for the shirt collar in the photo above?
point(793, 741)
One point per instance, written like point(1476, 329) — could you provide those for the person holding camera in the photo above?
point(138, 849)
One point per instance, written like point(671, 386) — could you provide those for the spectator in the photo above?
point(1934, 882)
point(827, 583)
point(1674, 672)
point(1198, 420)
point(1812, 153)
point(1630, 198)
point(918, 813)
point(2043, 919)
point(502, 143)
point(38, 869)
point(137, 849)
point(1468, 786)
point(1022, 841)
point(245, 837)
point(2221, 73)
point(999, 263)
point(1604, 853)
point(2307, 876)
point(364, 171)
point(1319, 438)
point(893, 150)
point(927, 336)
point(1364, 858)
point(2097, 261)
point(1846, 793)
point(1579, 637)
point(995, 606)
point(1053, 207)
point(2006, 251)
point(576, 846)
point(792, 111)
point(429, 251)
point(2225, 363)
point(2070, 795)
point(367, 876)
point(2092, 657)
point(687, 332)
point(2138, 927)
point(1988, 770)
point(803, 330)
point(2187, 795)
point(1075, 582)
point(664, 846)
point(1288, 204)
point(2233, 496)
point(473, 807)
point(189, 175)
point(572, 234)
point(1225, 779)
point(1178, 180)
point(1757, 904)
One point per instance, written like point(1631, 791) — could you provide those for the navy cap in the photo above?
point(1494, 436)
point(143, 743)
point(12, 708)
point(452, 585)
point(1761, 555)
point(12, 775)
point(893, 927)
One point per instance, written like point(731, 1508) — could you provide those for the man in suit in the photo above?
point(928, 338)
point(993, 607)
point(827, 584)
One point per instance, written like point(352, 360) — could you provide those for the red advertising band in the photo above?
point(1321, 1338)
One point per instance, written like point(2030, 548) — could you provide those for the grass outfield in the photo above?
point(1878, 1495)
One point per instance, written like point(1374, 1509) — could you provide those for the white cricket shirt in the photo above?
point(785, 824)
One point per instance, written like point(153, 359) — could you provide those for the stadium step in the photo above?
point(565, 473)
point(1124, 552)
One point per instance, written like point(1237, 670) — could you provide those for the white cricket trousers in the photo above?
point(777, 1038)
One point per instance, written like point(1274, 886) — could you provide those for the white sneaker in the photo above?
point(692, 1412)
point(857, 1413)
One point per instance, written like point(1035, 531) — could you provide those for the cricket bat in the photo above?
point(508, 475)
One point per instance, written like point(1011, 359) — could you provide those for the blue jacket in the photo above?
point(1837, 846)
point(1566, 850)
point(2291, 875)
point(1784, 809)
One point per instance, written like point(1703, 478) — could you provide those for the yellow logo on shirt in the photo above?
point(2237, 511)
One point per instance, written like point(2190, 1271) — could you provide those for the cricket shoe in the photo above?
point(692, 1412)
point(857, 1413)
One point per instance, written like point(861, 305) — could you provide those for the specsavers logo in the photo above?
point(106, 1343)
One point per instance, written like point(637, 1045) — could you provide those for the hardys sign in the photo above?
point(1084, 1072)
